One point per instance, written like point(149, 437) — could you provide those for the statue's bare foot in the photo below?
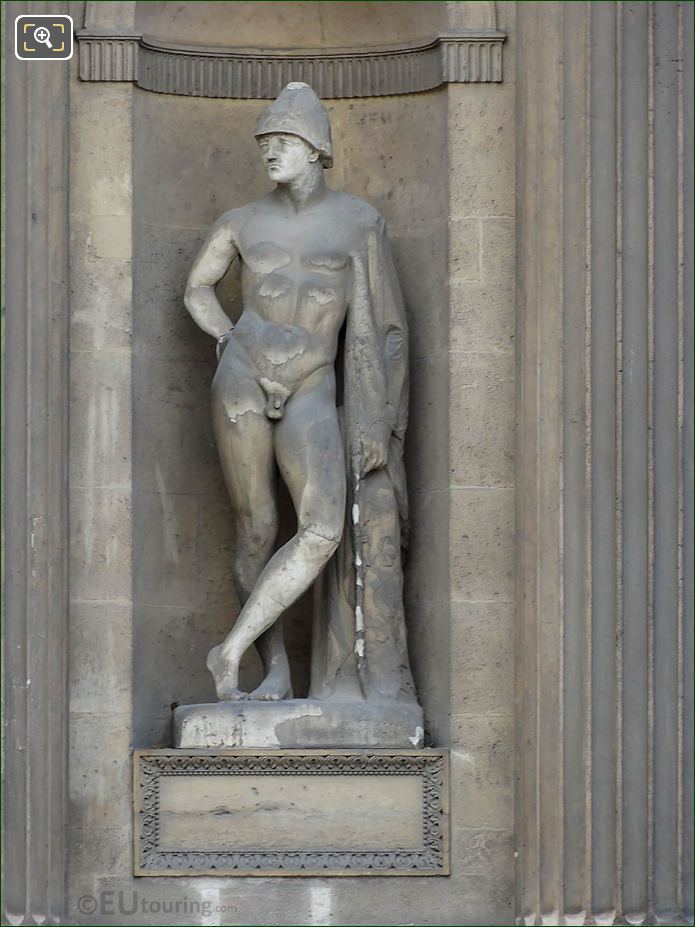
point(275, 686)
point(225, 674)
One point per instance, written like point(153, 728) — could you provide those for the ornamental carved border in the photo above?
point(431, 858)
point(467, 56)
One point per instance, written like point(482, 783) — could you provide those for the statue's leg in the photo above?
point(277, 682)
point(309, 452)
point(245, 444)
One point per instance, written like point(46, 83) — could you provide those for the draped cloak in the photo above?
point(375, 389)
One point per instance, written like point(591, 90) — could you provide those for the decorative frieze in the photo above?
point(254, 74)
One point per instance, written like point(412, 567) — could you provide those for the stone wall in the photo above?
point(549, 582)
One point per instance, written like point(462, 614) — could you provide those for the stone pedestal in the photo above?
point(299, 723)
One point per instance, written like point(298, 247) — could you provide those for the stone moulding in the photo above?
point(466, 56)
point(152, 767)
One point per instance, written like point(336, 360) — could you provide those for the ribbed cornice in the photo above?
point(258, 74)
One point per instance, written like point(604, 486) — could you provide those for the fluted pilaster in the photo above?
point(605, 411)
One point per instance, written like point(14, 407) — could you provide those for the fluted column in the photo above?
point(604, 673)
point(35, 483)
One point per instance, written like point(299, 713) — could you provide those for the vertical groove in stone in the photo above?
point(650, 458)
point(575, 490)
point(14, 859)
point(38, 207)
point(603, 449)
point(618, 362)
point(666, 353)
point(680, 425)
point(540, 239)
point(550, 514)
point(686, 464)
point(635, 399)
point(526, 724)
point(55, 692)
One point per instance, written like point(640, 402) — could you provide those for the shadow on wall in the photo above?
point(193, 159)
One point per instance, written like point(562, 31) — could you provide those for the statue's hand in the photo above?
point(374, 447)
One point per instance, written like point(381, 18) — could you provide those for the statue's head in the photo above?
point(294, 132)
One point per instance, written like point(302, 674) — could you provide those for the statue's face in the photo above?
point(286, 157)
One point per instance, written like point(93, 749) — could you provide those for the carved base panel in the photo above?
point(294, 723)
point(291, 812)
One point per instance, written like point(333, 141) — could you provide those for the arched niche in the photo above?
point(194, 158)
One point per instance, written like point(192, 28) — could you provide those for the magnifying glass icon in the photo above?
point(43, 35)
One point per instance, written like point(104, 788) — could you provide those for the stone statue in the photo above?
point(289, 397)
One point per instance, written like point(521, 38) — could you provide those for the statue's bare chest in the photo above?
point(317, 243)
point(295, 266)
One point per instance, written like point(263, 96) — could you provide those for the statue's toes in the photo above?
point(266, 693)
point(229, 693)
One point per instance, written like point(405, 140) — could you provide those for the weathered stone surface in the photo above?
point(100, 781)
point(428, 573)
point(175, 412)
point(298, 723)
point(170, 526)
point(285, 813)
point(101, 297)
point(482, 645)
point(110, 191)
point(100, 543)
point(482, 544)
point(382, 145)
point(424, 245)
point(465, 250)
point(479, 851)
point(481, 156)
point(482, 402)
point(482, 316)
point(482, 770)
point(429, 405)
point(100, 649)
point(286, 24)
point(164, 332)
point(100, 397)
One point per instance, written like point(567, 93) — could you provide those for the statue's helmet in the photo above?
point(299, 111)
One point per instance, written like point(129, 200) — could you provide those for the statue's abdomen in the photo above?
point(294, 308)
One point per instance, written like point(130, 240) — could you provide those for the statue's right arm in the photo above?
point(215, 256)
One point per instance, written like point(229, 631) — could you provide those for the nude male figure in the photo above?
point(274, 392)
